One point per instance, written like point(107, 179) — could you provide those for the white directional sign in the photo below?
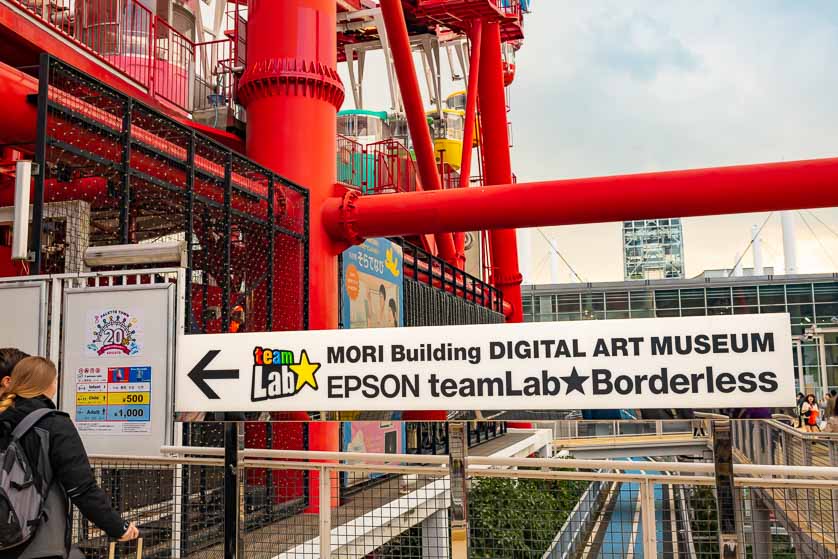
point(696, 362)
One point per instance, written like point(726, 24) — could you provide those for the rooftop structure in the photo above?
point(810, 299)
point(653, 249)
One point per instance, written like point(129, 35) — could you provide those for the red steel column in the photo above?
point(497, 166)
point(468, 132)
point(292, 91)
point(414, 108)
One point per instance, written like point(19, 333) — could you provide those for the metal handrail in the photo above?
point(822, 436)
point(348, 456)
point(160, 81)
point(512, 467)
point(824, 472)
point(119, 460)
point(104, 273)
point(708, 415)
point(617, 432)
point(337, 467)
point(263, 453)
point(367, 461)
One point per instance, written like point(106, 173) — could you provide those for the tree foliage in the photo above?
point(518, 518)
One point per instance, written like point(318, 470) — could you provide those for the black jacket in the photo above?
point(70, 465)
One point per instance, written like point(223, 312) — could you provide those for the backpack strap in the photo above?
point(29, 421)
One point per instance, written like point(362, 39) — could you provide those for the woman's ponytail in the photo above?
point(7, 401)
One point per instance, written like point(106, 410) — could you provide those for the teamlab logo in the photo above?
point(276, 374)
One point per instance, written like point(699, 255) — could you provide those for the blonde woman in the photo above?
point(54, 438)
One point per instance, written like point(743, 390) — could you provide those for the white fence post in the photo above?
point(325, 512)
point(833, 461)
point(647, 520)
point(458, 479)
point(179, 491)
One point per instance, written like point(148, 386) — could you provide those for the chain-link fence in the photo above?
point(810, 515)
point(115, 171)
point(176, 503)
point(291, 504)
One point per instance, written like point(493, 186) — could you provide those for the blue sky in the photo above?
point(608, 86)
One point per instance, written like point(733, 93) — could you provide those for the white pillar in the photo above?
point(525, 255)
point(756, 247)
point(554, 263)
point(435, 543)
point(789, 242)
point(737, 266)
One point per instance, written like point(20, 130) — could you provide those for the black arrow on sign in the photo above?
point(200, 375)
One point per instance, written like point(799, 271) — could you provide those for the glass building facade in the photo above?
point(810, 300)
point(653, 249)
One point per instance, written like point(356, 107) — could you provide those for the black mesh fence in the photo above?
point(118, 172)
point(428, 306)
point(439, 294)
point(406, 508)
point(179, 513)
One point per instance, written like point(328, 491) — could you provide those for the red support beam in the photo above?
point(396, 26)
point(476, 35)
point(19, 114)
point(497, 164)
point(713, 191)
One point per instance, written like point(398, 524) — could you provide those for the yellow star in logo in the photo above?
point(305, 372)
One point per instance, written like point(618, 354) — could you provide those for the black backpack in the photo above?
point(21, 496)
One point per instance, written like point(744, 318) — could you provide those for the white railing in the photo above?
point(622, 428)
point(420, 501)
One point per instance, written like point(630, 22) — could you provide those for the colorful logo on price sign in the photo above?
point(114, 332)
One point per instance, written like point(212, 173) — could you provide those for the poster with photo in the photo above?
point(372, 285)
point(374, 437)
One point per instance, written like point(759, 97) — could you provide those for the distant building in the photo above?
point(653, 249)
point(811, 301)
point(728, 272)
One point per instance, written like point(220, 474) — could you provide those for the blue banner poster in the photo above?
point(372, 286)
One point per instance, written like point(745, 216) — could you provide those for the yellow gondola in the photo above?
point(457, 102)
point(447, 134)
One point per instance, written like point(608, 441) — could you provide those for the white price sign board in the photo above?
point(694, 362)
point(116, 371)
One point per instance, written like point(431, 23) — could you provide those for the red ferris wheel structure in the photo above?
point(284, 64)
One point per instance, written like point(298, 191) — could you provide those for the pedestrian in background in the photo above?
point(829, 408)
point(810, 412)
point(832, 419)
point(800, 399)
point(9, 357)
